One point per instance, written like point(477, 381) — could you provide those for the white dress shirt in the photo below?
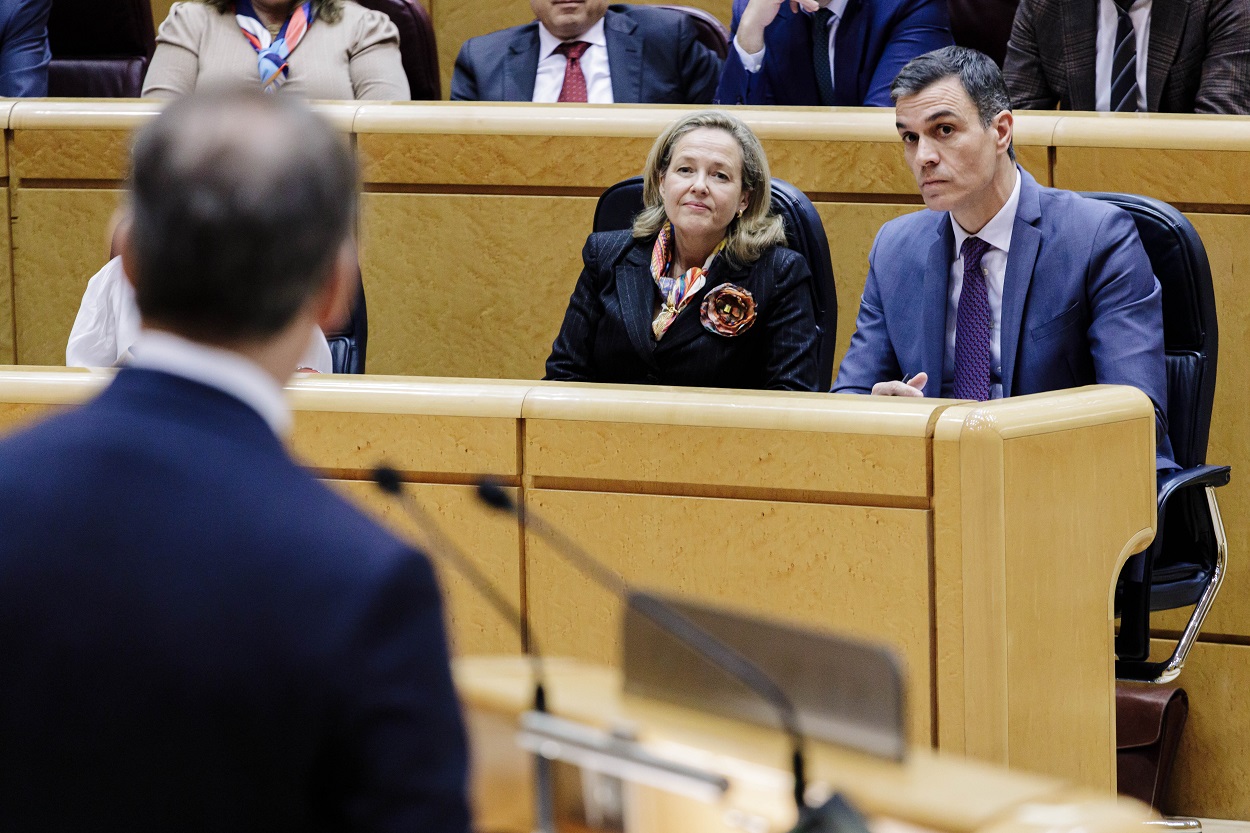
point(1108, 22)
point(224, 370)
point(108, 325)
point(753, 63)
point(594, 63)
point(997, 233)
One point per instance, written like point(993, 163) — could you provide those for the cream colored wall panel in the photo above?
point(71, 154)
point(468, 285)
point(59, 242)
point(857, 570)
point(18, 415)
point(522, 161)
point(490, 539)
point(1173, 175)
point(1213, 762)
point(849, 464)
point(8, 352)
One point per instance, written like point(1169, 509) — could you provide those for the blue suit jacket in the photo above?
point(653, 55)
point(197, 635)
point(874, 39)
point(24, 53)
point(1080, 303)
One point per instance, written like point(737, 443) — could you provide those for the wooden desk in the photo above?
point(930, 525)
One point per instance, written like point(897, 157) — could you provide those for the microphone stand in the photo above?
point(388, 481)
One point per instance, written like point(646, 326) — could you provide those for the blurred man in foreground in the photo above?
point(198, 635)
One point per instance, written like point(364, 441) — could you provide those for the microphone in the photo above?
point(445, 549)
point(835, 814)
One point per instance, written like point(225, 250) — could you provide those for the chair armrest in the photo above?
point(1202, 476)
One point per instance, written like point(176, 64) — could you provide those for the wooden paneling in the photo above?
point(1172, 175)
point(58, 244)
point(8, 352)
point(71, 154)
point(438, 268)
point(859, 570)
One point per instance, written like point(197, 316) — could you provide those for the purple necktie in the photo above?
point(972, 327)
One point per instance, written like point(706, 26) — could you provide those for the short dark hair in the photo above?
point(980, 77)
point(239, 204)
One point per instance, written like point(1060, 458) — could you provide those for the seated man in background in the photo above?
point(587, 51)
point(833, 52)
point(1157, 56)
point(24, 53)
point(1002, 287)
point(197, 634)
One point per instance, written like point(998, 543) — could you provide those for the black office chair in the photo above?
point(1186, 562)
point(100, 48)
point(708, 29)
point(805, 234)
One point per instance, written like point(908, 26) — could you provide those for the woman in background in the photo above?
point(322, 49)
point(702, 290)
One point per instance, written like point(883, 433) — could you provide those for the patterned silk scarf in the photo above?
point(676, 292)
point(272, 52)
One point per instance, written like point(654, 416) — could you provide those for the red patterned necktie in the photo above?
point(574, 88)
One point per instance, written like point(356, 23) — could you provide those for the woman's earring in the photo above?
point(740, 210)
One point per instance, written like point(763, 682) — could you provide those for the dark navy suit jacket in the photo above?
point(1080, 303)
point(874, 39)
point(24, 54)
point(196, 635)
point(606, 335)
point(653, 55)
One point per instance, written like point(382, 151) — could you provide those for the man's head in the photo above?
point(568, 19)
point(954, 116)
point(239, 211)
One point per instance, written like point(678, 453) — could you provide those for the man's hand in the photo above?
point(758, 14)
point(911, 387)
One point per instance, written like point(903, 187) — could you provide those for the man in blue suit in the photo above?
point(833, 52)
point(1003, 287)
point(196, 634)
point(24, 53)
point(587, 51)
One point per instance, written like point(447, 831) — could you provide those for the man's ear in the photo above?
point(1003, 125)
point(333, 304)
point(125, 247)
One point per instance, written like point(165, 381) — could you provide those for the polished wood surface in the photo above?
point(936, 792)
point(930, 526)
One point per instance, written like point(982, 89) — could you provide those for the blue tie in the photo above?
point(972, 326)
point(820, 55)
point(1124, 62)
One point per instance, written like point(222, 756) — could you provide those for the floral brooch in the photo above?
point(727, 310)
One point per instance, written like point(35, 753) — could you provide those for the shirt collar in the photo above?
point(838, 7)
point(997, 232)
point(224, 370)
point(547, 42)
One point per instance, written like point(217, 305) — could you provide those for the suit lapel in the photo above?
point(521, 65)
point(1167, 28)
point(933, 307)
point(1025, 242)
point(635, 288)
point(624, 58)
point(1079, 34)
point(850, 47)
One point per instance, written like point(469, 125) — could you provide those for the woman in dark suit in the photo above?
point(701, 291)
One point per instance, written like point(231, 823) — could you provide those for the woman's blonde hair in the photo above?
point(331, 11)
point(748, 234)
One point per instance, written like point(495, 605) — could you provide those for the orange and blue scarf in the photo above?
point(272, 52)
point(676, 292)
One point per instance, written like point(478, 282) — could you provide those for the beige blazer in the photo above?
point(356, 58)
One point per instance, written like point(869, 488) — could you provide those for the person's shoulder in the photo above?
point(651, 15)
point(192, 12)
point(499, 39)
point(366, 22)
point(1076, 211)
point(904, 230)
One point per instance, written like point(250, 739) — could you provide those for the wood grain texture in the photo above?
point(1172, 175)
point(468, 285)
point(1213, 762)
point(489, 539)
point(49, 277)
point(71, 154)
point(8, 351)
point(858, 570)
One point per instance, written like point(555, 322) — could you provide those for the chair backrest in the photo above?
point(417, 48)
point(100, 48)
point(805, 234)
point(1190, 331)
point(708, 28)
